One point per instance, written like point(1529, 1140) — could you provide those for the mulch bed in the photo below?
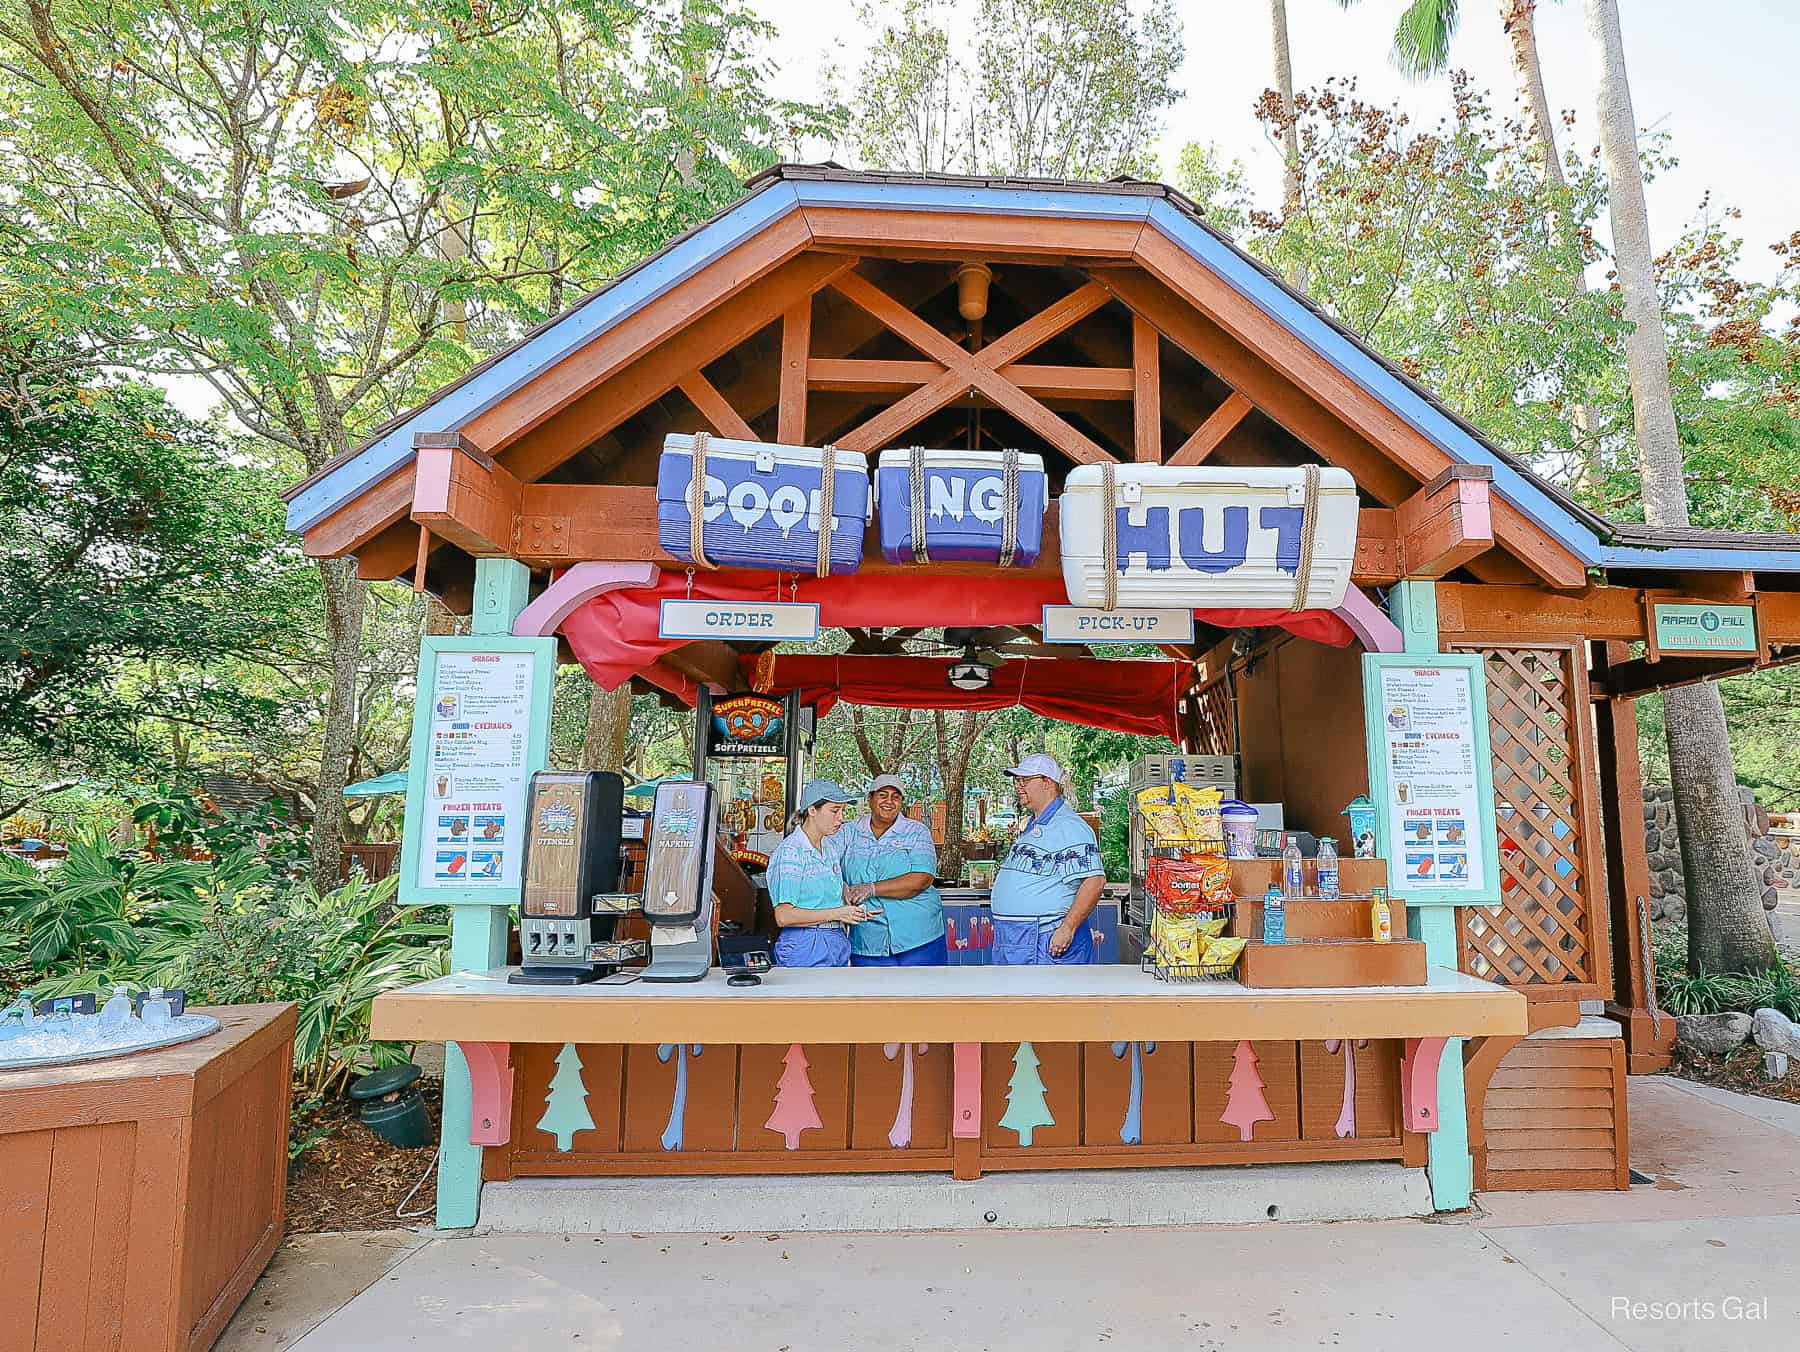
point(354, 1180)
point(1740, 1070)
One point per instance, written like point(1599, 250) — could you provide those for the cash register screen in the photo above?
point(674, 870)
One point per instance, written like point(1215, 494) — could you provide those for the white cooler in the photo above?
point(1208, 537)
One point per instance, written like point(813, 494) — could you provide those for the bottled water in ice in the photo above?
point(157, 1011)
point(115, 1014)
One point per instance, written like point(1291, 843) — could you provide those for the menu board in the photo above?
point(477, 754)
point(1433, 801)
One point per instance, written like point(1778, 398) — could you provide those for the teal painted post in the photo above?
point(1451, 1170)
point(477, 939)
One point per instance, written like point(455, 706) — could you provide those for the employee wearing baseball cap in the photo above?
point(806, 886)
point(889, 857)
point(1050, 881)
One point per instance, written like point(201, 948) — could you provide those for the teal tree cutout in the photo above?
point(1026, 1109)
point(565, 1106)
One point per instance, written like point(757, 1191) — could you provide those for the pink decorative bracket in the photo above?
point(1418, 1083)
point(965, 1090)
point(575, 588)
point(491, 1091)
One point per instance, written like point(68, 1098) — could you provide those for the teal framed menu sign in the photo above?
point(1431, 774)
point(481, 727)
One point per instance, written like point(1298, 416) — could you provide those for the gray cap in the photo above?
point(885, 782)
point(818, 791)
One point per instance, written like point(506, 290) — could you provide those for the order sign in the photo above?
point(1434, 791)
point(477, 769)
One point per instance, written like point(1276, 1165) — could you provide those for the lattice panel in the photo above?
point(1217, 728)
point(1542, 932)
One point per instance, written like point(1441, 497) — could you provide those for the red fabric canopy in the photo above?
point(614, 635)
point(1124, 695)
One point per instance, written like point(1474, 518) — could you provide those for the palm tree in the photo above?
point(1727, 930)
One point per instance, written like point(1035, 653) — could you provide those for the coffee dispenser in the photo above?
point(678, 881)
point(571, 915)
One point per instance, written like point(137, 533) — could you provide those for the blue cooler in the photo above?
point(964, 507)
point(762, 504)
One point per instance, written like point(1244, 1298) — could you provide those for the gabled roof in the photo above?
point(1596, 541)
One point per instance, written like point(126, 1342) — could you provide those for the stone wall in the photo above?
point(1777, 853)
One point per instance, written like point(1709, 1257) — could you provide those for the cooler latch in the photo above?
point(765, 462)
point(1131, 492)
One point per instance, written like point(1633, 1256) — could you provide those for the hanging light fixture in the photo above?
point(971, 673)
point(972, 290)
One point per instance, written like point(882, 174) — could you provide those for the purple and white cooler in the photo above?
point(761, 504)
point(976, 506)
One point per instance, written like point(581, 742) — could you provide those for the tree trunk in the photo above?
point(953, 767)
point(1290, 130)
point(1727, 931)
point(1519, 20)
point(608, 725)
point(345, 598)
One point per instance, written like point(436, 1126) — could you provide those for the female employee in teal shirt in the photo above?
point(807, 887)
point(889, 858)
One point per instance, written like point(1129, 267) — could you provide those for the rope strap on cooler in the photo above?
point(915, 481)
point(1109, 531)
point(828, 466)
point(697, 504)
point(1309, 524)
point(1009, 528)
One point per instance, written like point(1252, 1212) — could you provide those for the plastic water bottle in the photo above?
point(115, 1014)
point(1328, 869)
point(158, 1013)
point(1293, 871)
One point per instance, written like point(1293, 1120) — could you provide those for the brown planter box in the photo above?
point(1328, 962)
point(141, 1197)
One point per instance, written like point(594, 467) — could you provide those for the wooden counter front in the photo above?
point(939, 1004)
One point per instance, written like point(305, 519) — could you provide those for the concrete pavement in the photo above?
point(1707, 1256)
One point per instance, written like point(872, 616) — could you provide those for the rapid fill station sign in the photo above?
point(768, 620)
point(1683, 627)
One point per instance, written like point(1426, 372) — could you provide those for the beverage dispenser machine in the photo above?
point(678, 880)
point(571, 914)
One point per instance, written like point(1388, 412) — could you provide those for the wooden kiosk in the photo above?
point(1089, 323)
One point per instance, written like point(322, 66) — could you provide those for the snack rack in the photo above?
point(1225, 911)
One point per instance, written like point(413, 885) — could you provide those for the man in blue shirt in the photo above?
point(889, 861)
point(1051, 880)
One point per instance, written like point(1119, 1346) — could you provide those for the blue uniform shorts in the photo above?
point(932, 953)
point(812, 946)
point(1026, 943)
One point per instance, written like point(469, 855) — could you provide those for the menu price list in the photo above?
point(1428, 724)
point(477, 770)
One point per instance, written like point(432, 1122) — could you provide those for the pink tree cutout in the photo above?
point(1246, 1104)
point(1346, 1123)
point(900, 1134)
point(794, 1109)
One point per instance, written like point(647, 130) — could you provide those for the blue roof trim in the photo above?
point(1404, 403)
point(1702, 558)
point(974, 199)
point(381, 458)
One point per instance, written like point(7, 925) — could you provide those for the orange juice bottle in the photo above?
point(1381, 916)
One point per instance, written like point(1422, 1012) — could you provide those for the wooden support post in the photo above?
point(1649, 1034)
point(1447, 522)
point(725, 419)
point(796, 348)
point(477, 944)
point(1414, 606)
point(1146, 393)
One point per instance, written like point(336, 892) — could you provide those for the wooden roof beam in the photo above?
point(1146, 392)
point(462, 496)
point(709, 661)
point(854, 375)
point(1219, 424)
point(1448, 522)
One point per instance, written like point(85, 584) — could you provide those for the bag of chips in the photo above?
point(1221, 952)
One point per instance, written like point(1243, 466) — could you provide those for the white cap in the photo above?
point(885, 782)
point(1038, 764)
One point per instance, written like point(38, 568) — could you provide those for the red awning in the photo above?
point(614, 636)
point(1125, 695)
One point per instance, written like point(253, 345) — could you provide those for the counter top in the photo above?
point(940, 1004)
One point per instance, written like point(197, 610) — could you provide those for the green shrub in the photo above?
point(1702, 994)
point(1777, 988)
